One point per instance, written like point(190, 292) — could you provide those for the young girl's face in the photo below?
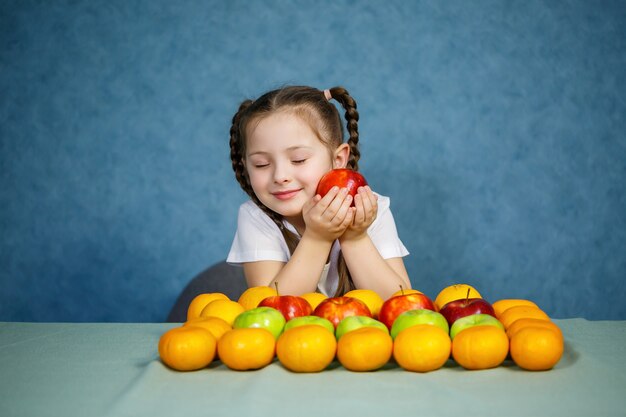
point(285, 161)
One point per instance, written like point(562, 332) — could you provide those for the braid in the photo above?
point(345, 282)
point(352, 120)
point(237, 147)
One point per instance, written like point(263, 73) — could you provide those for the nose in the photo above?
point(282, 174)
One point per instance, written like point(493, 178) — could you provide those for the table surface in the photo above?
point(104, 369)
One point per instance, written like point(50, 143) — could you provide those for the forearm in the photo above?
point(370, 270)
point(302, 272)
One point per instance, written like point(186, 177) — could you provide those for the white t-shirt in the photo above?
point(258, 238)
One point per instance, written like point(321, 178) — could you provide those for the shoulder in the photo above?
point(257, 238)
point(251, 216)
point(249, 207)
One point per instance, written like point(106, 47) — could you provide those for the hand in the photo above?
point(366, 205)
point(328, 218)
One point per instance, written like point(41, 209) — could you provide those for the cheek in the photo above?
point(316, 172)
point(257, 180)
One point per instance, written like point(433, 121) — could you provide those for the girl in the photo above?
point(281, 145)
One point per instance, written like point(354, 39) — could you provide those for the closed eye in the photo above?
point(299, 161)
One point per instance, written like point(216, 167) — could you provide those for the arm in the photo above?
point(297, 276)
point(367, 267)
point(326, 219)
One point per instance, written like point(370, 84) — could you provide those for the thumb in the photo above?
point(311, 203)
point(352, 214)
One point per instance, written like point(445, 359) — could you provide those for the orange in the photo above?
point(523, 323)
point(251, 297)
point(246, 348)
point(215, 325)
point(314, 298)
point(508, 316)
point(226, 310)
point(421, 348)
point(371, 299)
point(407, 291)
point(364, 349)
point(455, 292)
point(187, 348)
point(309, 348)
point(536, 348)
point(200, 301)
point(501, 305)
point(480, 347)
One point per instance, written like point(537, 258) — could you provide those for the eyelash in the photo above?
point(297, 162)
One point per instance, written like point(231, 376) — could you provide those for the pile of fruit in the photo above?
point(362, 331)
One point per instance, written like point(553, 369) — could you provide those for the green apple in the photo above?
point(356, 322)
point(261, 317)
point(420, 316)
point(474, 320)
point(306, 320)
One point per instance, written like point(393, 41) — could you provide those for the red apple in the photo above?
point(342, 178)
point(289, 305)
point(336, 309)
point(397, 305)
point(463, 307)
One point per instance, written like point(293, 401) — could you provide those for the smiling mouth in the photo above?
point(285, 195)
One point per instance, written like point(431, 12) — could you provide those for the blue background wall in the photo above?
point(496, 127)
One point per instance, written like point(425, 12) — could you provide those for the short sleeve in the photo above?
point(384, 234)
point(257, 238)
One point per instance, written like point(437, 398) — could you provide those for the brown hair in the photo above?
point(312, 106)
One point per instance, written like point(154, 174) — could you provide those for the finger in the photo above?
point(372, 197)
point(343, 211)
point(365, 199)
point(370, 203)
point(349, 217)
point(325, 201)
point(311, 202)
point(359, 215)
point(334, 206)
point(308, 208)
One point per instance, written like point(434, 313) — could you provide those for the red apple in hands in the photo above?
point(342, 178)
point(336, 309)
point(464, 307)
point(289, 305)
point(397, 305)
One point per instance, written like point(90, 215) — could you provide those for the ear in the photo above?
point(340, 156)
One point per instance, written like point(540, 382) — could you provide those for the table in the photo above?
point(106, 369)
